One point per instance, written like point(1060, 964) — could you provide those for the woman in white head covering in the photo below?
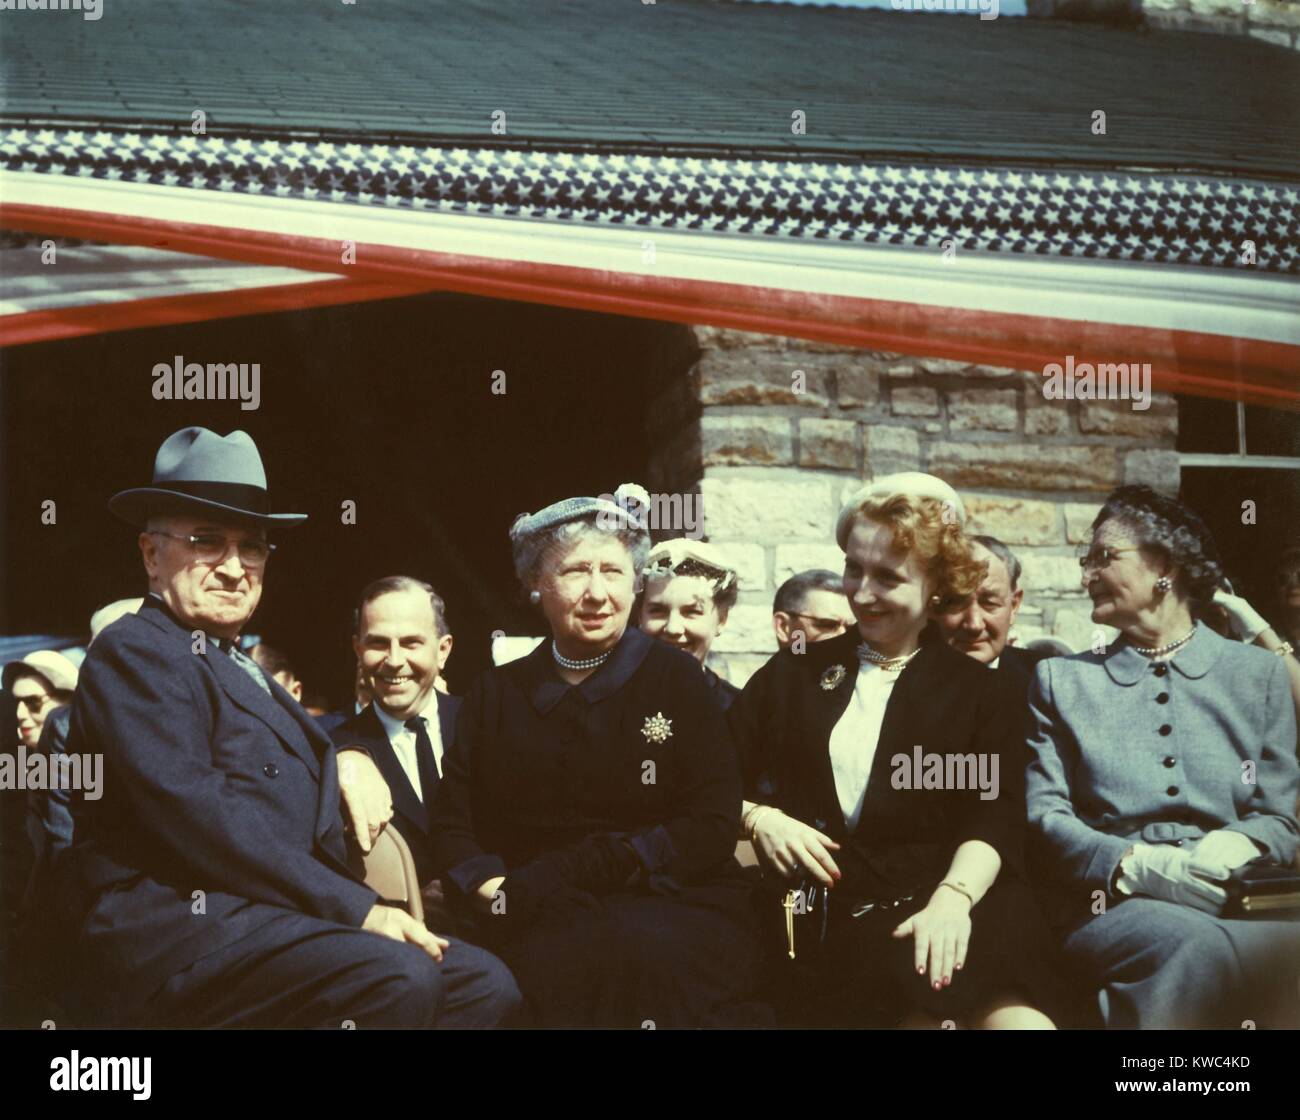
point(689, 591)
point(587, 813)
point(39, 683)
point(883, 772)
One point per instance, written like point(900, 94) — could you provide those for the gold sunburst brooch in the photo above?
point(657, 729)
point(833, 678)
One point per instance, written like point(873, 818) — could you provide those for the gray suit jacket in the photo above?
point(1123, 750)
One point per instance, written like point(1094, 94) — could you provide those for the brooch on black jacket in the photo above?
point(833, 677)
point(657, 729)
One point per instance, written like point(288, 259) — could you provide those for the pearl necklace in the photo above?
point(1160, 651)
point(578, 665)
point(888, 664)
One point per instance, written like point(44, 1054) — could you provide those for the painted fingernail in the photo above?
point(920, 971)
point(937, 985)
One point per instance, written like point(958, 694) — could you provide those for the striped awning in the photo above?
point(1020, 266)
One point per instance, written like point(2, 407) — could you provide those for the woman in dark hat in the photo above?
point(1162, 764)
point(589, 805)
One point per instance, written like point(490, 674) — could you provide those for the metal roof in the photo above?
point(675, 74)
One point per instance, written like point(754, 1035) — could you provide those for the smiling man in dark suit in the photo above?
point(980, 628)
point(212, 884)
point(402, 643)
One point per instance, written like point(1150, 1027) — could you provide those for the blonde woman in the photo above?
point(884, 778)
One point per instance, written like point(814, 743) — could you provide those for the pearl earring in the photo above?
point(534, 597)
point(1163, 584)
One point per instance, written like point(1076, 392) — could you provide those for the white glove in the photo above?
point(1163, 871)
point(1246, 622)
point(1220, 852)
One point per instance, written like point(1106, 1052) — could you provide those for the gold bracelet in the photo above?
point(960, 890)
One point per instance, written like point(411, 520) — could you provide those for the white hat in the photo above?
point(55, 669)
point(916, 484)
point(679, 556)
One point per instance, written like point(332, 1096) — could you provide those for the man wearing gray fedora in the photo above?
point(211, 884)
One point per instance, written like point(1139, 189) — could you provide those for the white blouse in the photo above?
point(856, 735)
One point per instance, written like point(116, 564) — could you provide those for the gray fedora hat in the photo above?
point(197, 470)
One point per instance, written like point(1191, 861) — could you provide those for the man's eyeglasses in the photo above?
point(1095, 559)
point(821, 623)
point(209, 548)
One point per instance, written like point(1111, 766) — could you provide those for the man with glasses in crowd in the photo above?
point(811, 604)
point(211, 884)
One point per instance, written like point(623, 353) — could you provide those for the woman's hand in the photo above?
point(1244, 620)
point(790, 845)
point(942, 934)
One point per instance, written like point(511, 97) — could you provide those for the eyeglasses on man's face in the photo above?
point(213, 548)
point(1097, 558)
point(821, 625)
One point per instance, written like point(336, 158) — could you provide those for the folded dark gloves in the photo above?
point(577, 876)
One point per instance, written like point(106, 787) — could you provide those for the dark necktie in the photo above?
point(424, 758)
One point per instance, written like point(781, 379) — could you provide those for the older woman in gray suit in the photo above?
point(1159, 765)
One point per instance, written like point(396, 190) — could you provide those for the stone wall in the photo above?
point(773, 433)
point(1273, 21)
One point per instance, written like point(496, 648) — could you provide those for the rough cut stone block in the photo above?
point(1078, 521)
point(1215, 7)
point(1044, 417)
point(1013, 466)
point(998, 371)
point(1049, 573)
point(1118, 418)
point(784, 507)
point(913, 400)
point(942, 365)
point(750, 562)
point(858, 386)
point(760, 377)
point(1013, 520)
point(901, 370)
point(723, 338)
point(1158, 469)
point(748, 630)
point(887, 450)
point(794, 558)
point(828, 443)
point(972, 410)
point(746, 440)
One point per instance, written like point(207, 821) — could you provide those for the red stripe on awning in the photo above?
point(194, 307)
point(1196, 363)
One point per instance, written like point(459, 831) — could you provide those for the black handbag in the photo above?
point(1263, 890)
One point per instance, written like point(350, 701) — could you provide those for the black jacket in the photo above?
point(1017, 665)
point(944, 702)
point(414, 819)
point(637, 751)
